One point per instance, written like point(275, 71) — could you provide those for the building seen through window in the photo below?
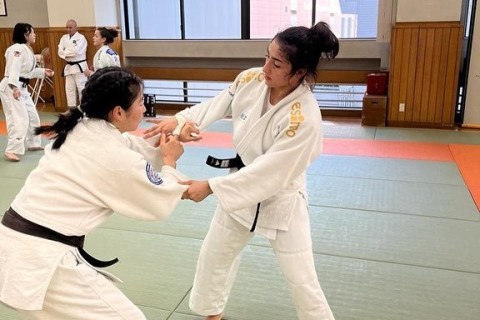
point(222, 19)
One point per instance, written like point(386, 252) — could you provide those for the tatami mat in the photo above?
point(395, 231)
point(416, 198)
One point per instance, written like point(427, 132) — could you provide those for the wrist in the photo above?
point(181, 121)
point(169, 161)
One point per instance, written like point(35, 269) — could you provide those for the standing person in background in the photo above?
point(92, 169)
point(73, 49)
point(277, 133)
point(105, 56)
point(21, 115)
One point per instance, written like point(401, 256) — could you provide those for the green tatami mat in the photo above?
point(370, 290)
point(428, 135)
point(386, 169)
point(7, 313)
point(348, 131)
point(426, 199)
point(157, 270)
point(398, 238)
point(189, 219)
point(9, 187)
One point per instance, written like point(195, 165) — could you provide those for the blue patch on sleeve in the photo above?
point(153, 175)
point(111, 52)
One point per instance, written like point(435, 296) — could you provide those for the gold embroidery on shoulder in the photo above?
point(250, 75)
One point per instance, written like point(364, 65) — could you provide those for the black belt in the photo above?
point(16, 222)
point(24, 81)
point(72, 63)
point(233, 163)
point(226, 163)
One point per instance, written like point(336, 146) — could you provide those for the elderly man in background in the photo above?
point(73, 49)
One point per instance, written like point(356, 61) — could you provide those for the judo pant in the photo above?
point(79, 292)
point(74, 83)
point(21, 118)
point(220, 257)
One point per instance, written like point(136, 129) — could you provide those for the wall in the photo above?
point(106, 13)
point(36, 15)
point(428, 10)
point(62, 10)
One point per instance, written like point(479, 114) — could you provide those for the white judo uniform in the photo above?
point(276, 147)
point(21, 115)
point(74, 51)
point(97, 171)
point(105, 57)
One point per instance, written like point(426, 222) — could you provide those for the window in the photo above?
point(329, 96)
point(212, 19)
point(245, 19)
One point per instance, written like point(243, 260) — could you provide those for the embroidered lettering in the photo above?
point(296, 118)
point(249, 76)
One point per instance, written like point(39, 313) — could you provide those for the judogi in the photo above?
point(96, 172)
point(105, 57)
point(74, 51)
point(20, 115)
point(267, 197)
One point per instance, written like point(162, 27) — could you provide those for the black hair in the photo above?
point(303, 47)
point(105, 89)
point(20, 31)
point(108, 33)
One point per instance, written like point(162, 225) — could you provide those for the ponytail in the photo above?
point(106, 89)
point(60, 129)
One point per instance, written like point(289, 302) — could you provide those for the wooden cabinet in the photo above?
point(374, 110)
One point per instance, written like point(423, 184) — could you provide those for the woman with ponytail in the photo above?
point(277, 133)
point(92, 169)
point(105, 56)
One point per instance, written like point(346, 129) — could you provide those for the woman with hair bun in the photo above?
point(92, 169)
point(105, 56)
point(277, 134)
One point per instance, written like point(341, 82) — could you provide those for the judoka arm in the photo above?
point(143, 193)
point(269, 173)
point(202, 114)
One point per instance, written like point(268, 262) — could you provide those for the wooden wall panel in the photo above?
point(49, 38)
point(424, 69)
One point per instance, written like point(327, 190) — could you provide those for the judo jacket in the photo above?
point(276, 147)
point(20, 62)
point(74, 51)
point(73, 190)
point(105, 57)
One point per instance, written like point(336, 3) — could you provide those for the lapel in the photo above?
point(257, 123)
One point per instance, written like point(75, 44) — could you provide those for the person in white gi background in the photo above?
point(277, 133)
point(92, 169)
point(73, 49)
point(105, 56)
point(21, 116)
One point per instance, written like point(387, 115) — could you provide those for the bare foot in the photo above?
point(9, 156)
point(215, 317)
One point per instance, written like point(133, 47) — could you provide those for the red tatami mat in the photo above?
point(388, 149)
point(467, 158)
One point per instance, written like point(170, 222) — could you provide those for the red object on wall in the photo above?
point(377, 84)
